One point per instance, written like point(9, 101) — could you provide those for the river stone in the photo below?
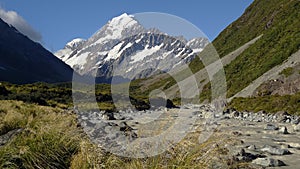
point(283, 130)
point(275, 151)
point(8, 136)
point(251, 147)
point(297, 128)
point(268, 162)
point(271, 127)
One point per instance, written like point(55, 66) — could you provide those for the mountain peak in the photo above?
point(75, 43)
point(124, 41)
point(122, 16)
point(122, 21)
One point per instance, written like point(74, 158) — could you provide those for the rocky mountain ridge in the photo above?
point(123, 47)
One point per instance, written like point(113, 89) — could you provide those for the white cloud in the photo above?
point(12, 18)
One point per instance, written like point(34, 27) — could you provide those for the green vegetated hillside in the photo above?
point(281, 94)
point(269, 103)
point(278, 23)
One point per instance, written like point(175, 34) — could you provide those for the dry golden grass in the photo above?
point(52, 139)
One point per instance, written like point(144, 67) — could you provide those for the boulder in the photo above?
point(283, 130)
point(268, 162)
point(251, 147)
point(235, 114)
point(228, 111)
point(297, 128)
point(278, 140)
point(271, 127)
point(282, 116)
point(242, 155)
point(236, 133)
point(8, 136)
point(161, 102)
point(275, 151)
point(108, 116)
point(295, 120)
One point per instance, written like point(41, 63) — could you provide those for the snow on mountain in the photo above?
point(125, 48)
point(140, 55)
point(144, 54)
point(75, 43)
point(197, 44)
point(70, 47)
point(63, 54)
point(116, 26)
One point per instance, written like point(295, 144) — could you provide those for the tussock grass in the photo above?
point(188, 154)
point(52, 139)
point(49, 140)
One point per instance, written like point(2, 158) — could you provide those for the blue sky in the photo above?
point(59, 21)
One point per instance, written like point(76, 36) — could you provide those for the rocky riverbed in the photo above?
point(261, 139)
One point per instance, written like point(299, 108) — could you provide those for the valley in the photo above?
point(134, 96)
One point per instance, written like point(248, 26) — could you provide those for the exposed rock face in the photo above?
point(283, 85)
point(246, 156)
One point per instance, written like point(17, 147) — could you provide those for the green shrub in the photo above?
point(287, 71)
point(269, 103)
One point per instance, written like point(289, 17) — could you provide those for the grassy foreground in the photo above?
point(51, 138)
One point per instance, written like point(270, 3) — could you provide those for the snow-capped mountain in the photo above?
point(70, 47)
point(123, 47)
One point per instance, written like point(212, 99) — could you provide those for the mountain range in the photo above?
point(123, 47)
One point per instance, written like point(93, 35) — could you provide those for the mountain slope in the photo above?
point(280, 25)
point(274, 30)
point(24, 61)
point(257, 72)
